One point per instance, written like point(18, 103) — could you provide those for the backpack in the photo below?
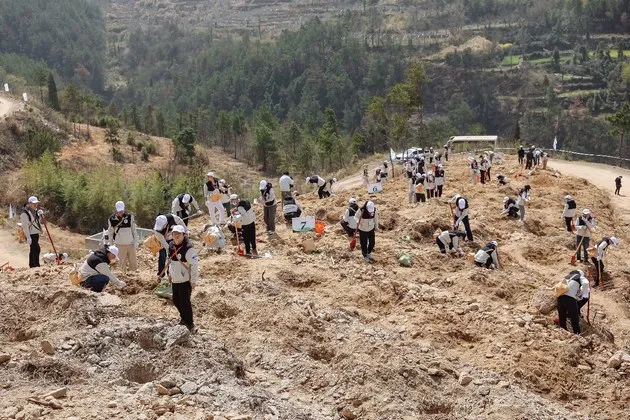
point(562, 286)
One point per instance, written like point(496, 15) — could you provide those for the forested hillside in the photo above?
point(69, 35)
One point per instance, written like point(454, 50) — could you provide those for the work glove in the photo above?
point(40, 212)
point(29, 240)
point(122, 284)
point(199, 212)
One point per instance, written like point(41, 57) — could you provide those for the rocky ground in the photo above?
point(324, 335)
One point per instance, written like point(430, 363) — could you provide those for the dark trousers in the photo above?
point(466, 222)
point(581, 303)
point(487, 264)
point(568, 221)
point(439, 190)
point(430, 193)
point(367, 242)
point(446, 156)
point(33, 253)
point(184, 215)
point(420, 197)
point(349, 231)
point(520, 160)
point(322, 193)
point(528, 164)
point(249, 237)
point(488, 174)
point(440, 245)
point(482, 176)
point(585, 242)
point(568, 308)
point(617, 188)
point(513, 212)
point(269, 217)
point(96, 283)
point(181, 300)
point(161, 262)
point(598, 270)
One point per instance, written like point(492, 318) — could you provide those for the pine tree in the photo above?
point(53, 98)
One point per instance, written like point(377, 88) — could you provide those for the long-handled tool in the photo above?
point(574, 256)
point(57, 259)
point(353, 241)
point(238, 244)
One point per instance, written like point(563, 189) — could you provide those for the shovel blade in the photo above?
point(573, 259)
point(353, 243)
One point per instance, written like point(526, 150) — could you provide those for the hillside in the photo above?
point(335, 337)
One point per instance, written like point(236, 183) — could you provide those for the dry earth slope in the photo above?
point(326, 336)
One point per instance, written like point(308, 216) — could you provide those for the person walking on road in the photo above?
point(268, 198)
point(460, 215)
point(183, 271)
point(121, 228)
point(583, 226)
point(569, 212)
point(618, 184)
point(96, 272)
point(182, 204)
point(31, 218)
point(367, 223)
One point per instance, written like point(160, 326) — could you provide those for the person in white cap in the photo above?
point(270, 205)
point(161, 230)
point(510, 208)
point(487, 256)
point(121, 229)
point(523, 197)
point(182, 204)
point(583, 226)
point(598, 260)
point(291, 208)
point(460, 215)
point(429, 184)
point(439, 180)
point(569, 212)
point(367, 222)
point(325, 187)
point(450, 239)
point(244, 220)
point(183, 272)
point(96, 272)
point(384, 170)
point(213, 199)
point(225, 191)
point(30, 218)
point(567, 303)
point(286, 185)
point(349, 222)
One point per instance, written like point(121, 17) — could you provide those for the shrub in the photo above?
point(38, 141)
point(145, 155)
point(151, 148)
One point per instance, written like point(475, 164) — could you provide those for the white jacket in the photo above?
point(367, 225)
point(286, 183)
point(247, 216)
point(446, 239)
point(522, 198)
point(350, 220)
point(30, 225)
point(123, 229)
point(584, 229)
point(181, 272)
point(482, 257)
point(578, 290)
point(568, 212)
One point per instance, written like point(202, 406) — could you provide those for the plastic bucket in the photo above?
point(319, 226)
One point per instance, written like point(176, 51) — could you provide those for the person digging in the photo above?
point(183, 272)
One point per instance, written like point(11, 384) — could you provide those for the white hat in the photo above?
point(352, 200)
point(455, 197)
point(495, 243)
point(113, 250)
point(186, 198)
point(33, 200)
point(334, 180)
point(370, 206)
point(160, 222)
point(505, 199)
point(222, 181)
point(263, 185)
point(614, 241)
point(308, 178)
point(440, 166)
point(180, 229)
point(120, 206)
point(234, 197)
point(586, 211)
point(210, 174)
point(568, 197)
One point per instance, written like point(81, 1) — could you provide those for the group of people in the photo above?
point(533, 157)
point(364, 221)
point(480, 169)
point(425, 179)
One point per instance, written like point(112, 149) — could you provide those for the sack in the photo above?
point(75, 277)
point(164, 289)
point(561, 288)
point(20, 234)
point(152, 243)
point(215, 196)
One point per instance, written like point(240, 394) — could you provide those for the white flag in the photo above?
point(10, 211)
point(392, 154)
point(6, 87)
point(25, 97)
point(555, 143)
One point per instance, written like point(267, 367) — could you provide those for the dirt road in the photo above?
point(7, 106)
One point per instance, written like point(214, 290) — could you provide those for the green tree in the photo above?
point(620, 122)
point(265, 125)
point(160, 124)
point(39, 141)
point(41, 75)
point(185, 145)
point(53, 99)
point(112, 137)
point(328, 136)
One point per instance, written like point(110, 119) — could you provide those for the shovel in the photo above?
point(240, 250)
point(57, 259)
point(353, 241)
point(574, 256)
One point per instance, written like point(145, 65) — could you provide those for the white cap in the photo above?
point(120, 206)
point(33, 200)
point(308, 178)
point(581, 273)
point(455, 197)
point(263, 185)
point(180, 229)
point(370, 206)
point(568, 197)
point(334, 180)
point(352, 200)
point(614, 241)
point(440, 166)
point(160, 222)
point(113, 250)
point(586, 211)
point(210, 174)
point(495, 243)
point(505, 199)
point(222, 181)
point(234, 197)
point(186, 198)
